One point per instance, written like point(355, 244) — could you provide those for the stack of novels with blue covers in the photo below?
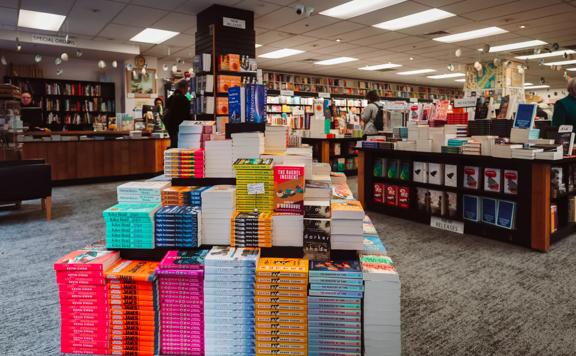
point(130, 225)
point(177, 226)
point(229, 278)
point(335, 308)
point(196, 196)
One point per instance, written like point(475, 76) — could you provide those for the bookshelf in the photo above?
point(70, 104)
point(341, 153)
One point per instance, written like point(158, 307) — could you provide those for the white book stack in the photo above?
point(486, 142)
point(456, 130)
point(317, 190)
point(504, 151)
point(247, 145)
point(218, 204)
point(321, 172)
point(472, 148)
point(436, 134)
point(525, 153)
point(300, 155)
point(141, 192)
point(190, 135)
point(218, 159)
point(276, 139)
point(287, 230)
point(405, 145)
point(317, 128)
point(381, 307)
point(346, 229)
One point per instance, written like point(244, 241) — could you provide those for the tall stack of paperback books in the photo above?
point(251, 230)
point(381, 306)
point(276, 139)
point(133, 307)
point(317, 230)
point(335, 308)
point(218, 159)
point(184, 163)
point(281, 306)
point(141, 192)
point(217, 210)
point(347, 222)
point(177, 226)
point(85, 324)
point(130, 225)
point(254, 185)
point(181, 284)
point(196, 196)
point(247, 145)
point(229, 276)
point(177, 196)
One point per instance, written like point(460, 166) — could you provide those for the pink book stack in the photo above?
point(84, 301)
point(181, 279)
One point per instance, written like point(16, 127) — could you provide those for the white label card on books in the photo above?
point(565, 128)
point(446, 224)
point(235, 23)
point(465, 102)
point(324, 95)
point(287, 92)
point(256, 188)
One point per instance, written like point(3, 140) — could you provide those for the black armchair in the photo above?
point(26, 180)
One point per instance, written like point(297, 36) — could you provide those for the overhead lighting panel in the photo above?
point(358, 7)
point(446, 76)
point(470, 35)
point(281, 53)
point(381, 66)
point(417, 71)
point(571, 69)
point(519, 45)
point(462, 80)
point(528, 84)
point(154, 35)
point(258, 45)
point(537, 87)
point(40, 20)
point(337, 60)
point(546, 55)
point(416, 19)
point(561, 63)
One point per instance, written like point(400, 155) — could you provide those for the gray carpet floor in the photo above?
point(461, 295)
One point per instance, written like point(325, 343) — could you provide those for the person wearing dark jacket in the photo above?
point(565, 109)
point(177, 110)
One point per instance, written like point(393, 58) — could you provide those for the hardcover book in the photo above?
point(506, 214)
point(471, 177)
point(489, 210)
point(510, 181)
point(471, 208)
point(344, 268)
point(87, 260)
point(492, 180)
point(289, 189)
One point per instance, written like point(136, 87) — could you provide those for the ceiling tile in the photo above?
point(277, 18)
point(9, 3)
point(181, 41)
point(259, 7)
point(89, 18)
point(305, 25)
point(271, 36)
point(336, 29)
point(8, 17)
point(163, 5)
point(507, 10)
point(139, 16)
point(119, 32)
point(177, 22)
point(61, 7)
point(161, 50)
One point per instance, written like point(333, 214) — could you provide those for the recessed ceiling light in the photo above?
point(281, 53)
point(337, 60)
point(528, 84)
point(154, 35)
point(561, 63)
point(546, 55)
point(537, 87)
point(358, 7)
point(411, 58)
point(338, 40)
point(40, 20)
point(417, 71)
point(446, 76)
point(416, 19)
point(381, 66)
point(470, 35)
point(522, 26)
point(513, 46)
point(460, 80)
point(258, 45)
point(571, 69)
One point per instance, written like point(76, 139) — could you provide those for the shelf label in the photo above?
point(565, 128)
point(446, 224)
point(235, 23)
point(465, 102)
point(256, 188)
point(324, 95)
point(287, 92)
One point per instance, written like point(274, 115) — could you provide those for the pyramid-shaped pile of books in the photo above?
point(141, 192)
point(181, 284)
point(133, 307)
point(281, 282)
point(85, 326)
point(229, 276)
point(251, 230)
point(335, 308)
point(184, 163)
point(254, 185)
point(177, 226)
point(177, 196)
point(130, 225)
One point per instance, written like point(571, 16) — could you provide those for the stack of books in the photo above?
point(526, 153)
point(472, 148)
point(504, 150)
point(141, 192)
point(254, 185)
point(289, 189)
point(218, 159)
point(276, 139)
point(181, 284)
point(347, 225)
point(229, 278)
point(317, 230)
point(217, 210)
point(84, 322)
point(317, 191)
point(335, 308)
point(381, 306)
point(281, 332)
point(456, 130)
point(372, 243)
point(193, 134)
point(130, 225)
point(300, 156)
point(287, 229)
point(196, 196)
point(177, 226)
point(251, 230)
point(180, 196)
point(247, 145)
point(133, 305)
point(184, 163)
point(451, 149)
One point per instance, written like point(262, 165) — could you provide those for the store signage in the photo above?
point(235, 23)
point(52, 40)
point(565, 128)
point(465, 102)
point(287, 92)
point(413, 100)
point(448, 225)
point(255, 188)
point(324, 95)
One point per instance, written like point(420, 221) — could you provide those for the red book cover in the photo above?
point(289, 189)
point(378, 193)
point(87, 260)
point(392, 195)
point(404, 197)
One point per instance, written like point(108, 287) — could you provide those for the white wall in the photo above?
point(551, 95)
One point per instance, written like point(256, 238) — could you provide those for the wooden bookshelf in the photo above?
point(323, 151)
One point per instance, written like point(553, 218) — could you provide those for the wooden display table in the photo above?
point(323, 150)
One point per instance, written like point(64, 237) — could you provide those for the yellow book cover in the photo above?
point(282, 267)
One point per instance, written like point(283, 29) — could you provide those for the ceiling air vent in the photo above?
point(437, 33)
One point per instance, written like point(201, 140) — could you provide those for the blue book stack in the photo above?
point(196, 196)
point(335, 308)
point(457, 142)
point(177, 226)
point(130, 225)
point(229, 284)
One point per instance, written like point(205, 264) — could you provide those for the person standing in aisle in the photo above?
point(565, 109)
point(370, 113)
point(26, 99)
point(177, 110)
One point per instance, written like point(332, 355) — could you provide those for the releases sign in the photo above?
point(236, 23)
point(448, 225)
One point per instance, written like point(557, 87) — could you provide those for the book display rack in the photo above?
point(339, 152)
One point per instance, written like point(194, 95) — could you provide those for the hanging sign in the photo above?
point(287, 92)
point(324, 95)
point(52, 40)
point(235, 23)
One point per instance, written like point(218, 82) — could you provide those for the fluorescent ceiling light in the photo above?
point(417, 71)
point(571, 69)
point(537, 87)
point(154, 35)
point(381, 66)
point(258, 45)
point(546, 55)
point(446, 76)
point(40, 20)
point(337, 60)
point(561, 63)
point(460, 80)
point(519, 45)
point(470, 35)
point(281, 53)
point(416, 19)
point(528, 84)
point(358, 7)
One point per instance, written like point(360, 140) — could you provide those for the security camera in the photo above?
point(302, 10)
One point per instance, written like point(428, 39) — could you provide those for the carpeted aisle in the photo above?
point(461, 295)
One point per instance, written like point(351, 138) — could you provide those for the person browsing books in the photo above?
point(565, 109)
point(26, 99)
point(370, 113)
point(177, 110)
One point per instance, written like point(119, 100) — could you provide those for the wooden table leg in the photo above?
point(47, 207)
point(325, 151)
point(540, 224)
